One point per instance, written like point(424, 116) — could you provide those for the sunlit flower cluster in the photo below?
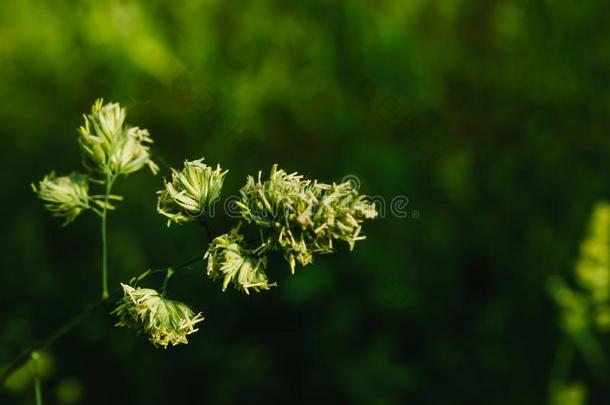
point(191, 193)
point(163, 321)
point(295, 216)
point(109, 146)
point(303, 217)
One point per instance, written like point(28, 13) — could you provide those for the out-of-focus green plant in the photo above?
point(569, 394)
point(584, 308)
point(40, 364)
point(593, 267)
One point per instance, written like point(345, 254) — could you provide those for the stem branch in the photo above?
point(75, 321)
point(170, 273)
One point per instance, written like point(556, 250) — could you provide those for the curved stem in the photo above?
point(169, 274)
point(76, 320)
point(49, 340)
point(97, 211)
point(151, 272)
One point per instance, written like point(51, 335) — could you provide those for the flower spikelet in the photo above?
point(65, 196)
point(191, 192)
point(109, 146)
point(163, 321)
point(230, 260)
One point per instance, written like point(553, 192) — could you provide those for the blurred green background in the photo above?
point(490, 116)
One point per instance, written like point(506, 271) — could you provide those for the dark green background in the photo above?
point(491, 117)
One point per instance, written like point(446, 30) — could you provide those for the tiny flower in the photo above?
point(340, 212)
point(109, 146)
point(228, 259)
point(65, 196)
point(191, 193)
point(270, 202)
point(162, 320)
point(131, 154)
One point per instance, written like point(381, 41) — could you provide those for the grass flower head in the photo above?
point(163, 321)
point(191, 192)
point(229, 260)
point(111, 147)
point(65, 196)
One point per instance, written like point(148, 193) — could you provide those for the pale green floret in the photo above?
point(68, 196)
point(303, 217)
point(228, 259)
point(191, 193)
point(130, 154)
point(65, 196)
point(163, 321)
point(111, 147)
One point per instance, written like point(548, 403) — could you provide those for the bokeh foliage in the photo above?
point(490, 116)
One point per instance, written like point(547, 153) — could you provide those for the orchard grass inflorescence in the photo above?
point(296, 217)
point(287, 214)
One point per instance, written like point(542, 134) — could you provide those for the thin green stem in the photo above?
point(169, 274)
point(37, 383)
point(50, 339)
point(97, 211)
point(38, 390)
point(109, 181)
